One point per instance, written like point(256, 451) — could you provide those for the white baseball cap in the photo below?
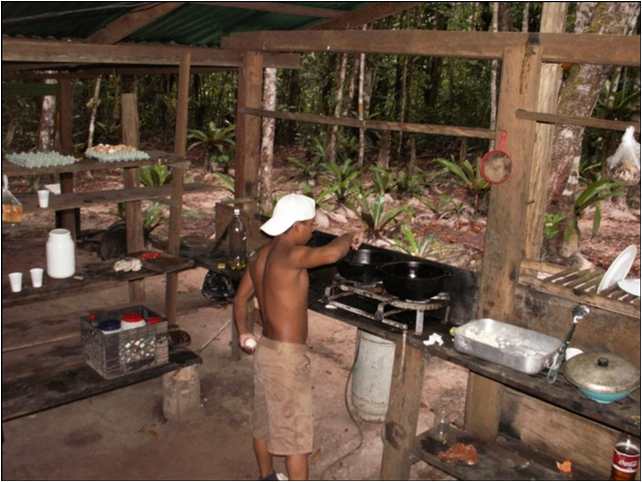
point(290, 209)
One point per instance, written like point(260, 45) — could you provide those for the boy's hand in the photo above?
point(248, 343)
point(357, 239)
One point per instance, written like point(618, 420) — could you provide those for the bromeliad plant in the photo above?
point(466, 175)
point(376, 216)
point(411, 184)
point(383, 180)
point(218, 143)
point(593, 195)
point(342, 180)
point(409, 243)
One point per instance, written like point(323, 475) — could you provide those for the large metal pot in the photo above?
point(362, 265)
point(414, 280)
point(602, 377)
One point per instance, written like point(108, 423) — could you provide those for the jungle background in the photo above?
point(417, 193)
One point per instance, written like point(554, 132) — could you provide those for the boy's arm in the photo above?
point(244, 293)
point(306, 257)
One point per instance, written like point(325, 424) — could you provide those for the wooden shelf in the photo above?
point(13, 170)
point(504, 459)
point(55, 374)
point(95, 276)
point(62, 202)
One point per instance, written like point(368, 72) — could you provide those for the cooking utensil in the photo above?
point(602, 377)
point(579, 312)
point(619, 268)
point(524, 350)
point(363, 264)
point(496, 165)
point(414, 280)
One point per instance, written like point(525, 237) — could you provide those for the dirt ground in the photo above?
point(122, 435)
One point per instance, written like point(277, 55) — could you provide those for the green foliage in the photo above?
point(312, 166)
point(552, 223)
point(383, 179)
point(409, 243)
point(218, 143)
point(342, 179)
point(465, 174)
point(375, 214)
point(154, 176)
point(593, 195)
point(445, 205)
point(412, 184)
point(225, 181)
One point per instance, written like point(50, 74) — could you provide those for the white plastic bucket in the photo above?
point(372, 376)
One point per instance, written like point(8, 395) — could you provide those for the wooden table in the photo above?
point(401, 444)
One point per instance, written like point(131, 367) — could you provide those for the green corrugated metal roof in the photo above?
point(191, 24)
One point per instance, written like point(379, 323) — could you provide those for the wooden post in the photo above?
point(248, 127)
point(553, 20)
point(70, 218)
point(176, 202)
point(506, 226)
point(403, 411)
point(130, 134)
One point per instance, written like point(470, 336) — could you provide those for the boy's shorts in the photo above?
point(283, 397)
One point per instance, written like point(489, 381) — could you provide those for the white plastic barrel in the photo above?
point(372, 376)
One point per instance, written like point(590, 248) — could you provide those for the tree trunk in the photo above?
point(267, 142)
point(362, 132)
point(578, 97)
point(332, 143)
point(404, 96)
point(46, 129)
point(383, 157)
point(525, 17)
point(93, 104)
point(352, 87)
point(493, 76)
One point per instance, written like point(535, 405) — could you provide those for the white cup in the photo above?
point(16, 282)
point(43, 198)
point(36, 277)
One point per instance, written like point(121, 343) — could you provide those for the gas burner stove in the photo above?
point(387, 305)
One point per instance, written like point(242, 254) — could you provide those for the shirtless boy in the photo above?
point(278, 276)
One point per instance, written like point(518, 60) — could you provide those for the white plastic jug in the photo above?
point(61, 254)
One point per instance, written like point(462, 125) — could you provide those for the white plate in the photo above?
point(630, 285)
point(619, 268)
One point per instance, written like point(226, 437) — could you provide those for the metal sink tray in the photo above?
point(524, 350)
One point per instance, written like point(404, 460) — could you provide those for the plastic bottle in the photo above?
point(238, 243)
point(626, 458)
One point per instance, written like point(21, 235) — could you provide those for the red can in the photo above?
point(626, 459)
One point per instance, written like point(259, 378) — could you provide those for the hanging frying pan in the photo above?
point(496, 165)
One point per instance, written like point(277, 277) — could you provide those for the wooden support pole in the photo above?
point(553, 20)
point(248, 127)
point(134, 219)
point(505, 231)
point(67, 219)
point(403, 411)
point(176, 202)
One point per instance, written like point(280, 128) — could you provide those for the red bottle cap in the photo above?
point(152, 320)
point(131, 318)
point(91, 316)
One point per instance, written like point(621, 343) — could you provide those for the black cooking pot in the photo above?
point(362, 265)
point(413, 280)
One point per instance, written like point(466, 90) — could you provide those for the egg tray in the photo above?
point(120, 156)
point(113, 355)
point(35, 160)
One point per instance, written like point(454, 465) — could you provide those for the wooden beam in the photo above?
point(248, 127)
point(369, 13)
point(21, 50)
point(505, 230)
point(176, 202)
point(400, 429)
point(87, 72)
point(556, 47)
point(612, 125)
point(285, 8)
point(129, 23)
point(477, 133)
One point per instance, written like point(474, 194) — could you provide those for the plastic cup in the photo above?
point(36, 277)
point(43, 198)
point(16, 282)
